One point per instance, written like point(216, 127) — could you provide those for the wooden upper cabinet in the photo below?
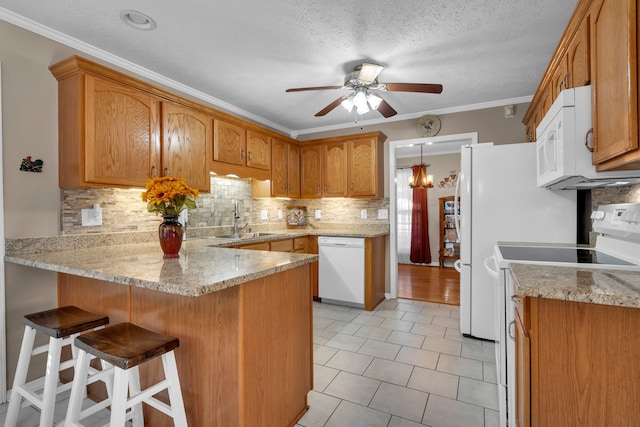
point(335, 169)
point(285, 168)
point(559, 79)
point(579, 56)
point(310, 171)
point(186, 135)
point(234, 144)
point(364, 167)
point(229, 143)
point(258, 150)
point(615, 84)
point(121, 135)
point(293, 166)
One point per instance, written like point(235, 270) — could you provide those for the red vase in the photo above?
point(170, 234)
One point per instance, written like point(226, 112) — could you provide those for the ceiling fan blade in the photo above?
point(369, 73)
point(329, 107)
point(386, 110)
point(300, 89)
point(411, 87)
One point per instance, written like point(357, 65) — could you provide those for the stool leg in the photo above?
point(81, 372)
point(51, 382)
point(20, 377)
point(134, 390)
point(175, 393)
point(119, 402)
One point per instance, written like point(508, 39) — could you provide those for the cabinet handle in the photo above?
point(326, 188)
point(318, 191)
point(564, 81)
point(242, 154)
point(249, 155)
point(587, 143)
point(512, 325)
point(154, 172)
point(166, 172)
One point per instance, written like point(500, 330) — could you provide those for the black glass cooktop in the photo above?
point(564, 255)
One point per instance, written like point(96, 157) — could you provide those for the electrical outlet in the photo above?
point(318, 214)
point(383, 213)
point(279, 213)
point(363, 214)
point(264, 215)
point(92, 217)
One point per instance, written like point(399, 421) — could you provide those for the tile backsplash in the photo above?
point(604, 196)
point(124, 211)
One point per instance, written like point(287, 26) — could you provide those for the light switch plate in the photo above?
point(383, 213)
point(363, 214)
point(279, 213)
point(318, 214)
point(264, 215)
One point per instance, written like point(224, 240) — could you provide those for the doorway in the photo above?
point(447, 278)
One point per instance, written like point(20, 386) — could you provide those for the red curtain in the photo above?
point(420, 249)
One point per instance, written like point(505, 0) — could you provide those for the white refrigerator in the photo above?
point(500, 201)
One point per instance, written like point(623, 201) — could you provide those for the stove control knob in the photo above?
point(597, 215)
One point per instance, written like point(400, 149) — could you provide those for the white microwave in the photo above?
point(562, 153)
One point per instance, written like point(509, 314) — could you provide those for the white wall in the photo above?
point(31, 200)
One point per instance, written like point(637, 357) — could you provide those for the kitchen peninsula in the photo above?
point(243, 319)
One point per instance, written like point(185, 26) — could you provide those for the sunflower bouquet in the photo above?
point(169, 196)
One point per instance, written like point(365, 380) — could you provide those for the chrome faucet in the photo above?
point(236, 217)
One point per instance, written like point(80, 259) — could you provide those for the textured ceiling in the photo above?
point(245, 53)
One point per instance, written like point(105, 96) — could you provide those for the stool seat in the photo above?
point(126, 345)
point(62, 325)
point(64, 321)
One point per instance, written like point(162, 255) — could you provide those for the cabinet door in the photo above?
point(293, 167)
point(229, 143)
point(363, 167)
point(311, 171)
point(335, 169)
point(282, 245)
point(615, 77)
point(579, 56)
point(559, 79)
point(279, 170)
point(186, 135)
point(121, 134)
point(258, 150)
point(523, 375)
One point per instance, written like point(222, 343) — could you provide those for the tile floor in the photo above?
point(404, 364)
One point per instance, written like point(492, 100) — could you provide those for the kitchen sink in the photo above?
point(244, 235)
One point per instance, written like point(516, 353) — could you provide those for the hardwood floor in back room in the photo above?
point(432, 284)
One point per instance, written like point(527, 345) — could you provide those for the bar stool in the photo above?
point(62, 325)
point(125, 346)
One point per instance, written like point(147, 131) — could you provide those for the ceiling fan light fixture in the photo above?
point(362, 109)
point(347, 103)
point(360, 98)
point(374, 101)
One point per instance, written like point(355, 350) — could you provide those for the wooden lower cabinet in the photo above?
point(245, 355)
point(577, 364)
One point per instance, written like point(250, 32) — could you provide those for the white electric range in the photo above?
point(617, 247)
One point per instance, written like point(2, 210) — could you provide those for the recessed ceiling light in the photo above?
point(137, 20)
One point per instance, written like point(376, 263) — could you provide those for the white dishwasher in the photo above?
point(341, 270)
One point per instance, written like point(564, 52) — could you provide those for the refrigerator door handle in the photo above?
point(491, 259)
point(456, 209)
point(458, 265)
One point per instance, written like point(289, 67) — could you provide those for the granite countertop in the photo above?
point(200, 269)
point(590, 285)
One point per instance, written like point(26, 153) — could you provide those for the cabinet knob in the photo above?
point(154, 172)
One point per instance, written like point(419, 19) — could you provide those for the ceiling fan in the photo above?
point(363, 80)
